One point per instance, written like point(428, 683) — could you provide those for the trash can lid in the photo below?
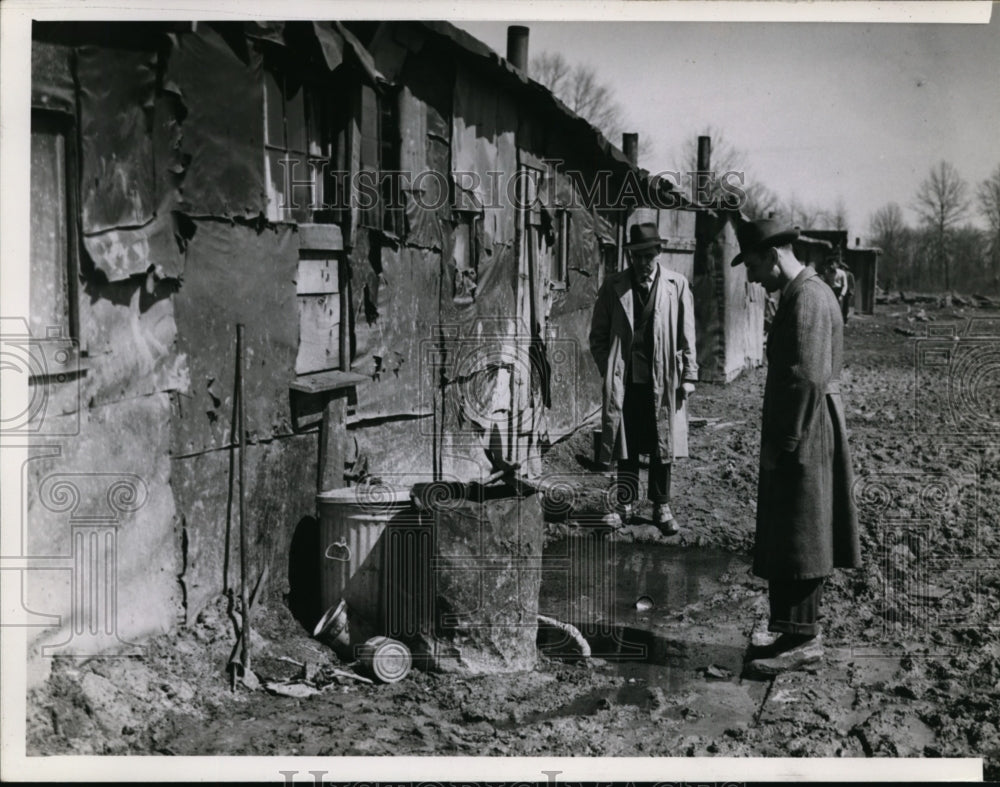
point(366, 495)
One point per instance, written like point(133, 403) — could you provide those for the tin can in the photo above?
point(332, 627)
point(386, 659)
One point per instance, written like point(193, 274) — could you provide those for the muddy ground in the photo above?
point(913, 644)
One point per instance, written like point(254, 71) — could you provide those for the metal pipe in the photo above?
point(701, 187)
point(704, 154)
point(517, 47)
point(630, 147)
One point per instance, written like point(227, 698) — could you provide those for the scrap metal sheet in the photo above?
point(237, 275)
point(483, 141)
point(117, 89)
point(222, 135)
point(125, 252)
point(396, 310)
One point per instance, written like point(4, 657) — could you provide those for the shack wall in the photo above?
point(169, 267)
point(729, 311)
point(864, 265)
point(104, 447)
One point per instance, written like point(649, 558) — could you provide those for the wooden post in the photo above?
point(333, 443)
point(335, 388)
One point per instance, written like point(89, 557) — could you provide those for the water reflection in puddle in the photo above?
point(595, 581)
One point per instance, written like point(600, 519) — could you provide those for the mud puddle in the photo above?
point(610, 589)
point(659, 624)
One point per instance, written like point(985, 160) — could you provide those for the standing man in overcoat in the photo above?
point(642, 339)
point(806, 521)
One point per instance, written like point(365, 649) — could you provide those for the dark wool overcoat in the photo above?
point(672, 362)
point(807, 524)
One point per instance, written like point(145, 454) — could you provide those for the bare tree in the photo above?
point(887, 230)
point(802, 215)
point(988, 195)
point(760, 201)
point(728, 165)
point(551, 69)
point(579, 88)
point(725, 156)
point(836, 217)
point(941, 202)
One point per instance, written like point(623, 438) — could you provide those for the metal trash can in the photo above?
point(360, 534)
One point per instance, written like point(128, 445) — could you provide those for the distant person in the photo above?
point(847, 300)
point(806, 521)
point(642, 339)
point(835, 277)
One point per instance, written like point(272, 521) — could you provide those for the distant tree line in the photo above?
point(944, 251)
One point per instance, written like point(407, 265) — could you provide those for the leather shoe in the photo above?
point(664, 520)
point(787, 659)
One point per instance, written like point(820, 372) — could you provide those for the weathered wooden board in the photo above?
point(317, 276)
point(319, 333)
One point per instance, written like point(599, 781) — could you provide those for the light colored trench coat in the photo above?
point(673, 357)
point(806, 520)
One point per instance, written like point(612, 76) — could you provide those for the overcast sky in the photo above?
point(858, 111)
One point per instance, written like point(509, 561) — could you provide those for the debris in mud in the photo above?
point(297, 690)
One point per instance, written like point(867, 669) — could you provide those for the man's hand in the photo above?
point(686, 390)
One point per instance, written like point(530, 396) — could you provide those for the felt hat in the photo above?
point(757, 236)
point(643, 236)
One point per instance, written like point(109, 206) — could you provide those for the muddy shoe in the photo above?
point(664, 520)
point(789, 659)
point(620, 516)
point(766, 644)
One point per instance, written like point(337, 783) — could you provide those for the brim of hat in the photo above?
point(770, 242)
point(646, 244)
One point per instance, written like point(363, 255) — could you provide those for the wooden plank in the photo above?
point(317, 276)
point(319, 333)
point(321, 237)
point(327, 381)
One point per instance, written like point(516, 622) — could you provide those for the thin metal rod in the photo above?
point(244, 591)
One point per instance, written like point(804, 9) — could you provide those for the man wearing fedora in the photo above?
point(806, 521)
point(642, 339)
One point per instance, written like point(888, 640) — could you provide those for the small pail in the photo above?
point(332, 627)
point(386, 659)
